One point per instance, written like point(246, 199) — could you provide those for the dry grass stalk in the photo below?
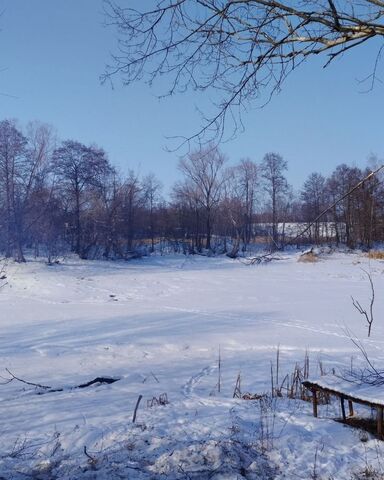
point(291, 386)
point(376, 254)
point(308, 257)
point(237, 390)
point(161, 400)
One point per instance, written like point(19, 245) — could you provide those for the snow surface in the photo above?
point(158, 324)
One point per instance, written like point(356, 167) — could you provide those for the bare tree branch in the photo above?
point(48, 389)
point(368, 317)
point(38, 385)
point(368, 375)
point(240, 50)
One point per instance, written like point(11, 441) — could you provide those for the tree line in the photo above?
point(61, 197)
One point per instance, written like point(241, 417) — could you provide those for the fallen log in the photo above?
point(47, 389)
point(101, 380)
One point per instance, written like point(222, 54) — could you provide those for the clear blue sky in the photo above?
point(52, 53)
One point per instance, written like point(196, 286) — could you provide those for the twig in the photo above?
point(369, 318)
point(92, 459)
point(45, 387)
point(369, 375)
point(6, 380)
point(154, 376)
point(136, 407)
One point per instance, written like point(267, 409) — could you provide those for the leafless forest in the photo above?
point(61, 197)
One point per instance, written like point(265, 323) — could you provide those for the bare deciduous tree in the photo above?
point(240, 48)
point(276, 186)
point(342, 180)
point(36, 183)
point(314, 200)
point(204, 168)
point(23, 173)
point(79, 168)
point(188, 206)
point(238, 204)
point(246, 177)
point(152, 196)
point(109, 202)
point(132, 200)
point(12, 159)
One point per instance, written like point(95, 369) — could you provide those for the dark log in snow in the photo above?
point(47, 389)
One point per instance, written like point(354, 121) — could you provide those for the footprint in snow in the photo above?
point(193, 381)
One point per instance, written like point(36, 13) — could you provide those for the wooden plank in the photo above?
point(342, 408)
point(379, 406)
point(314, 397)
point(339, 393)
point(350, 406)
point(380, 422)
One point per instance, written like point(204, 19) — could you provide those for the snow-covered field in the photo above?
point(158, 324)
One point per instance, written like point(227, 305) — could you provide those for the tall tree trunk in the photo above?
point(78, 224)
point(208, 244)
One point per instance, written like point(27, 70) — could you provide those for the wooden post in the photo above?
point(342, 408)
point(350, 406)
point(380, 422)
point(136, 407)
point(314, 397)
